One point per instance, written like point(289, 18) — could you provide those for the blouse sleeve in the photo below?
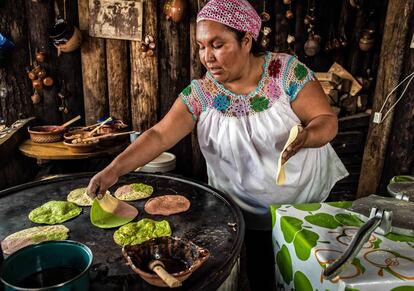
point(295, 76)
point(191, 100)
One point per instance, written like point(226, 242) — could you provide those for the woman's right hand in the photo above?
point(101, 182)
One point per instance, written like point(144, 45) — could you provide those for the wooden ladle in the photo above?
point(159, 268)
point(98, 127)
point(61, 127)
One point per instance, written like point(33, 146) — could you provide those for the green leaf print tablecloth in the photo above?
point(307, 237)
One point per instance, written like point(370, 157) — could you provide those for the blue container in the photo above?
point(6, 44)
point(51, 265)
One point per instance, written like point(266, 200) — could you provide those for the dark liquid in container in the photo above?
point(49, 277)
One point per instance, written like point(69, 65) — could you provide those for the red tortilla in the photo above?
point(167, 205)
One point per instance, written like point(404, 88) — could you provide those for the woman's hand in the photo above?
point(101, 182)
point(296, 145)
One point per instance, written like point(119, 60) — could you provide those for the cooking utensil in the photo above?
point(108, 135)
point(180, 256)
point(98, 127)
point(402, 190)
point(382, 215)
point(68, 123)
point(159, 268)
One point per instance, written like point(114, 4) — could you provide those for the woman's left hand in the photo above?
point(296, 145)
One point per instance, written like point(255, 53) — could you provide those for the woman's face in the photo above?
point(220, 52)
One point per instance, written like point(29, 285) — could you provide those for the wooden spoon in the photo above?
point(98, 127)
point(60, 127)
point(107, 135)
point(159, 268)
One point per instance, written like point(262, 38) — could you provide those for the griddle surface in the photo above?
point(205, 223)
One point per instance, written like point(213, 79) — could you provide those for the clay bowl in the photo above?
point(46, 133)
point(81, 147)
point(180, 257)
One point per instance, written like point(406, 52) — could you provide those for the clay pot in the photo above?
point(48, 81)
point(41, 74)
point(174, 10)
point(32, 75)
point(289, 14)
point(312, 45)
point(35, 98)
point(66, 37)
point(40, 57)
point(37, 84)
point(365, 43)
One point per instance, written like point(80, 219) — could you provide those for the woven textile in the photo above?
point(238, 14)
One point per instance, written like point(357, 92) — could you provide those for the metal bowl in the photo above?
point(51, 265)
point(180, 257)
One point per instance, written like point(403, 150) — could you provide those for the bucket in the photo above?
point(161, 164)
point(50, 265)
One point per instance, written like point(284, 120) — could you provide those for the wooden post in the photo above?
point(174, 74)
point(48, 109)
point(196, 72)
point(397, 21)
point(93, 69)
point(144, 74)
point(118, 79)
point(69, 67)
point(400, 158)
point(15, 88)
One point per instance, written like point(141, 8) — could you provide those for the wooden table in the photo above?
point(58, 151)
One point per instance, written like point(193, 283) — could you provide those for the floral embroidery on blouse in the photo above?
point(274, 68)
point(282, 75)
point(259, 103)
point(221, 102)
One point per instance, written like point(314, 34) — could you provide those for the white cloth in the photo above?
point(242, 154)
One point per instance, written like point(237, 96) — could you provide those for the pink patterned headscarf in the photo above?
point(238, 14)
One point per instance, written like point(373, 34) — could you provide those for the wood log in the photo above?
point(93, 70)
point(118, 79)
point(199, 170)
point(38, 28)
point(399, 15)
point(174, 75)
point(15, 88)
point(281, 28)
point(400, 159)
point(144, 75)
point(69, 70)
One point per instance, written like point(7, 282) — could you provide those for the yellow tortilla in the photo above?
point(281, 176)
point(80, 197)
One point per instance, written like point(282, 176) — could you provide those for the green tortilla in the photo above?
point(134, 191)
point(137, 232)
point(54, 212)
point(104, 219)
point(33, 235)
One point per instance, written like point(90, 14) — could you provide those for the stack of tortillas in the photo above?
point(281, 176)
point(33, 235)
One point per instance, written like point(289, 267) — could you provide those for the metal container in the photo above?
point(51, 265)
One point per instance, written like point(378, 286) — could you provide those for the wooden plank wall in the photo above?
point(111, 77)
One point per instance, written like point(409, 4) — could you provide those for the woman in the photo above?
point(244, 108)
